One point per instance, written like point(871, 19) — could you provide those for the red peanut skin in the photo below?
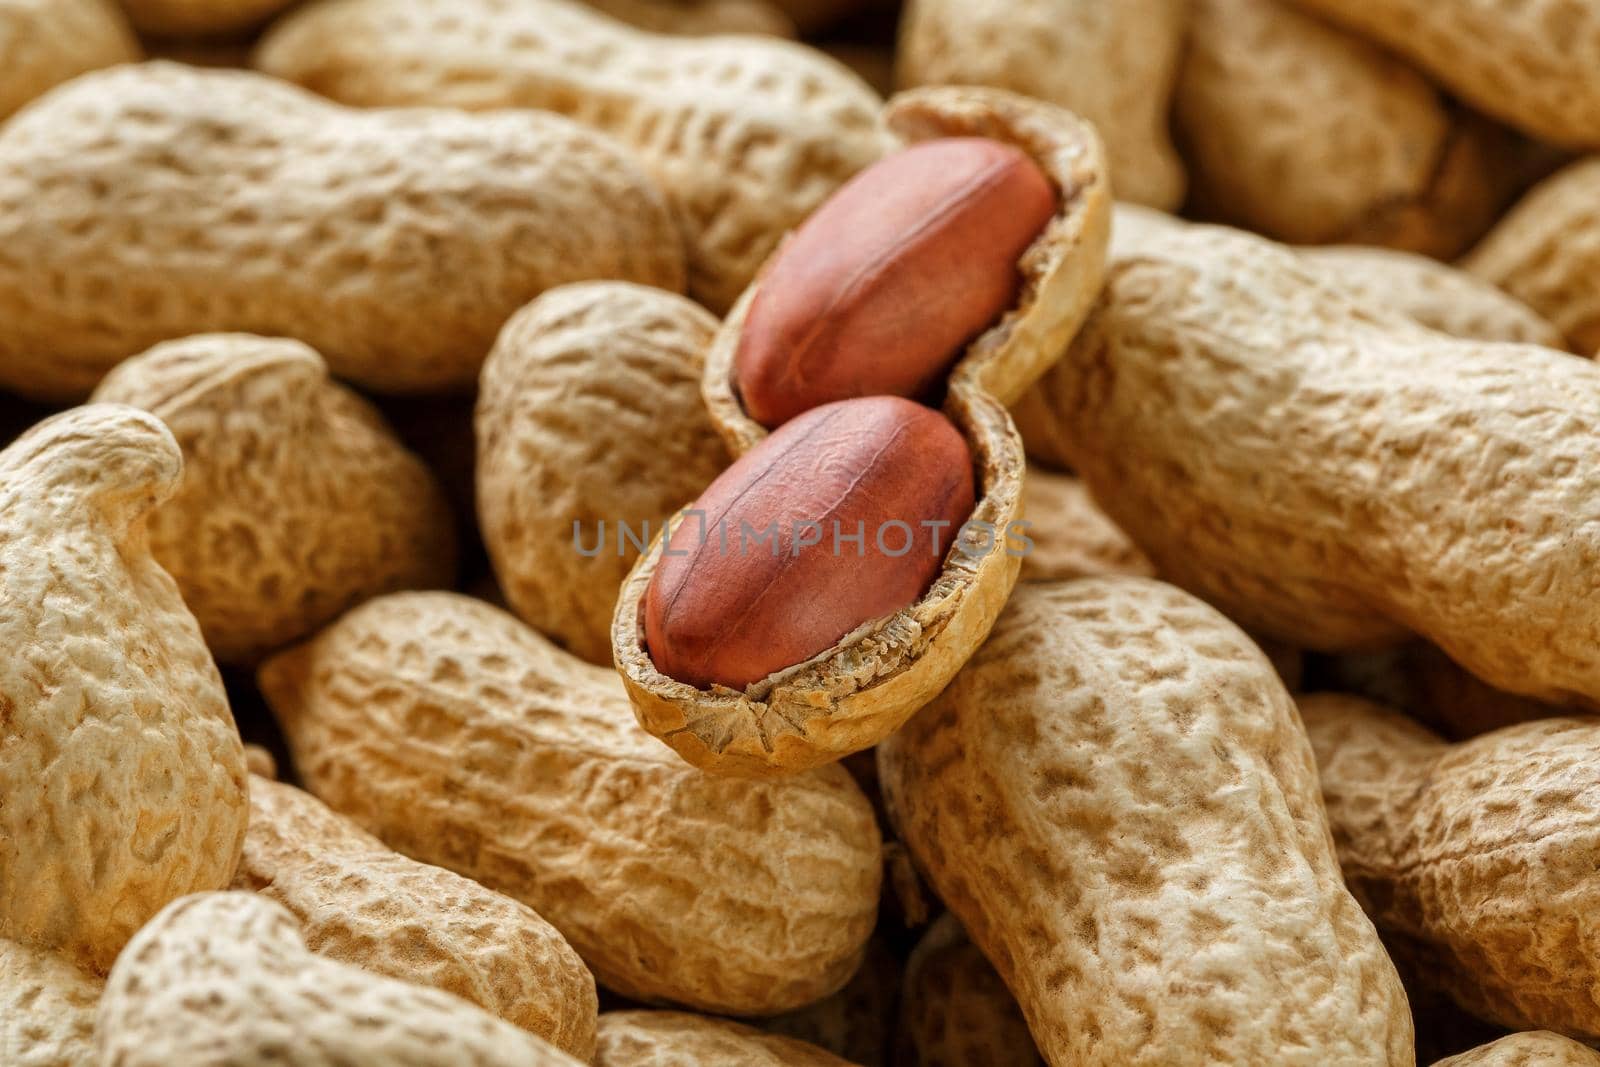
point(886, 283)
point(714, 615)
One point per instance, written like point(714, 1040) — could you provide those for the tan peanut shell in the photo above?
point(1071, 537)
point(46, 1009)
point(700, 18)
point(954, 1009)
point(297, 501)
point(1114, 64)
point(155, 201)
point(1529, 63)
point(1474, 859)
point(464, 739)
point(260, 762)
point(746, 136)
point(1437, 296)
point(1117, 799)
point(1362, 477)
point(123, 775)
point(849, 697)
point(46, 42)
point(196, 18)
point(678, 1039)
point(361, 903)
point(1545, 252)
point(1537, 1048)
point(856, 1023)
point(1311, 135)
point(227, 979)
point(590, 431)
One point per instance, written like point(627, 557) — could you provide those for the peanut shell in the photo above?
point(746, 136)
point(700, 18)
point(46, 42)
point(1114, 64)
point(1537, 1048)
point(361, 903)
point(46, 1009)
point(857, 1022)
point(678, 1039)
point(123, 777)
point(155, 201)
point(589, 413)
point(227, 979)
point(464, 739)
point(851, 696)
point(1117, 800)
point(297, 501)
point(954, 1009)
point(1072, 537)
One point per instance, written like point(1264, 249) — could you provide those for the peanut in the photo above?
point(1539, 1048)
point(46, 1009)
point(719, 613)
point(955, 1011)
point(260, 762)
point(1354, 484)
point(1530, 64)
point(1474, 859)
point(590, 431)
point(746, 136)
point(857, 1022)
point(846, 698)
point(696, 18)
point(1072, 538)
point(297, 502)
point(1114, 64)
point(885, 285)
point(463, 739)
point(45, 42)
point(154, 201)
point(226, 978)
point(362, 904)
point(1546, 250)
point(1116, 798)
point(123, 776)
point(677, 1039)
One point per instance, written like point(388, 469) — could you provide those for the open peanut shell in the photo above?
point(854, 694)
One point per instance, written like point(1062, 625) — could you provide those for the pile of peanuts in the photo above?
point(740, 533)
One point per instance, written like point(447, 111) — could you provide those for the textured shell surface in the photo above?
point(226, 978)
point(678, 1039)
point(955, 1011)
point(362, 903)
point(47, 1008)
point(1535, 1048)
point(1398, 480)
point(1472, 858)
point(155, 201)
point(1114, 64)
point(1071, 537)
point(1117, 799)
point(590, 429)
point(123, 774)
point(46, 42)
point(746, 135)
point(297, 500)
point(464, 739)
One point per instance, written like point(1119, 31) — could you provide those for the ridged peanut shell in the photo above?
point(857, 1022)
point(123, 776)
point(746, 136)
point(1361, 477)
point(46, 1009)
point(851, 696)
point(464, 739)
point(1476, 860)
point(297, 500)
point(700, 18)
point(1545, 252)
point(1071, 537)
point(1529, 63)
point(1113, 64)
point(1117, 800)
point(157, 201)
point(678, 1039)
point(359, 902)
point(1312, 135)
point(46, 42)
point(1537, 1048)
point(589, 419)
point(226, 978)
point(954, 1009)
